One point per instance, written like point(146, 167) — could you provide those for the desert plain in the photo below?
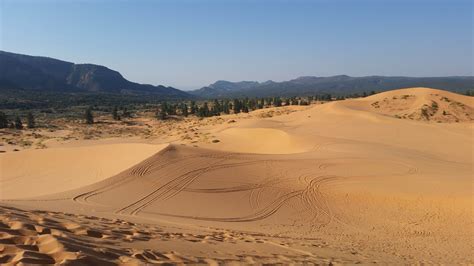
point(383, 179)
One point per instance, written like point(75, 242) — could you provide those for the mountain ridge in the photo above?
point(49, 74)
point(336, 85)
point(46, 74)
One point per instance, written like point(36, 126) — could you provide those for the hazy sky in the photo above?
point(189, 44)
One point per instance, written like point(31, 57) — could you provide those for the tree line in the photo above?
point(184, 109)
point(17, 123)
point(201, 109)
point(227, 106)
point(211, 108)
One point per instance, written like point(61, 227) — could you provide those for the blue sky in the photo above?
point(189, 44)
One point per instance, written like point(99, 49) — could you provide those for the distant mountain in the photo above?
point(221, 88)
point(48, 74)
point(336, 85)
point(24, 72)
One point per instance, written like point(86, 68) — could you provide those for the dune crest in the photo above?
point(260, 140)
point(421, 104)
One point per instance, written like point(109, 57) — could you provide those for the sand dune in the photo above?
point(260, 140)
point(418, 104)
point(60, 169)
point(342, 182)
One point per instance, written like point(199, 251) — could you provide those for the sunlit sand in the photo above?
point(385, 179)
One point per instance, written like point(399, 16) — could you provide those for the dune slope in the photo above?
point(32, 173)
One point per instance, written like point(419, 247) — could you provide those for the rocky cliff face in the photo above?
point(48, 74)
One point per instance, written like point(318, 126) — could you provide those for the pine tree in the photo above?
point(18, 123)
point(217, 107)
point(126, 113)
point(115, 114)
point(193, 107)
point(3, 120)
point(89, 116)
point(171, 109)
point(237, 106)
point(225, 107)
point(30, 120)
point(203, 111)
point(245, 104)
point(277, 101)
point(161, 114)
point(184, 110)
point(206, 110)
